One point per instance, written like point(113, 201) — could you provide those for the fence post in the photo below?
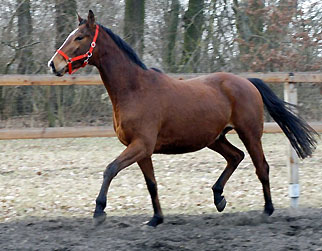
point(290, 96)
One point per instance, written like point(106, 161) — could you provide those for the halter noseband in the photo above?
point(87, 55)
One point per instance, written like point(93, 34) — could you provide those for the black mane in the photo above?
point(125, 48)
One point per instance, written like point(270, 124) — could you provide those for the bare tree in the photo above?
point(171, 18)
point(250, 25)
point(193, 24)
point(134, 24)
point(25, 58)
point(65, 22)
point(65, 19)
point(24, 55)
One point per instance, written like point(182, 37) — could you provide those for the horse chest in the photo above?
point(126, 128)
point(122, 135)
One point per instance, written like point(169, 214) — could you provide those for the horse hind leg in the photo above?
point(254, 147)
point(233, 157)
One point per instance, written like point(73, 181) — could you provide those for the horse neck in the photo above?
point(119, 74)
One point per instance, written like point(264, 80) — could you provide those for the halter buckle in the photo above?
point(93, 44)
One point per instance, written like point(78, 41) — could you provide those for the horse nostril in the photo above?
point(52, 66)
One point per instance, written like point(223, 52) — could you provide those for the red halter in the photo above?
point(87, 55)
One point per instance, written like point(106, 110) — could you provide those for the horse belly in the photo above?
point(184, 142)
point(177, 148)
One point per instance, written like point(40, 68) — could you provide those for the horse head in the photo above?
point(77, 50)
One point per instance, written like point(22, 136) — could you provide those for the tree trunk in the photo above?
point(23, 102)
point(171, 29)
point(25, 60)
point(249, 21)
point(65, 21)
point(193, 24)
point(250, 25)
point(134, 24)
point(285, 10)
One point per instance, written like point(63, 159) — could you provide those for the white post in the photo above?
point(290, 96)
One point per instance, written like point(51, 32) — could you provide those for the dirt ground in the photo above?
point(48, 190)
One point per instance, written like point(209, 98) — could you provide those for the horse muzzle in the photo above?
point(53, 69)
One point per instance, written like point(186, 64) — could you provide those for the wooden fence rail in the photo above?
point(97, 131)
point(40, 80)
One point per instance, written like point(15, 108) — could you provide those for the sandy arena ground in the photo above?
point(48, 190)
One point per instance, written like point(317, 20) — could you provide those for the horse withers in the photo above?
point(154, 113)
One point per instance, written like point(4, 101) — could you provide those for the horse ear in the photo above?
point(91, 18)
point(80, 20)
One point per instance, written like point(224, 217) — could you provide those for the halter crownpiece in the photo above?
point(87, 55)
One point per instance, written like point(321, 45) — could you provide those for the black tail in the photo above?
point(299, 133)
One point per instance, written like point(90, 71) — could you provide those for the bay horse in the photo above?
point(154, 113)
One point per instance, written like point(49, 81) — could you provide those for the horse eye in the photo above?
point(79, 38)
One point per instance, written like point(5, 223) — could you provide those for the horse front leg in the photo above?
point(148, 172)
point(133, 153)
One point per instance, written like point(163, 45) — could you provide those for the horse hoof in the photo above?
point(98, 219)
point(156, 220)
point(221, 205)
point(268, 210)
